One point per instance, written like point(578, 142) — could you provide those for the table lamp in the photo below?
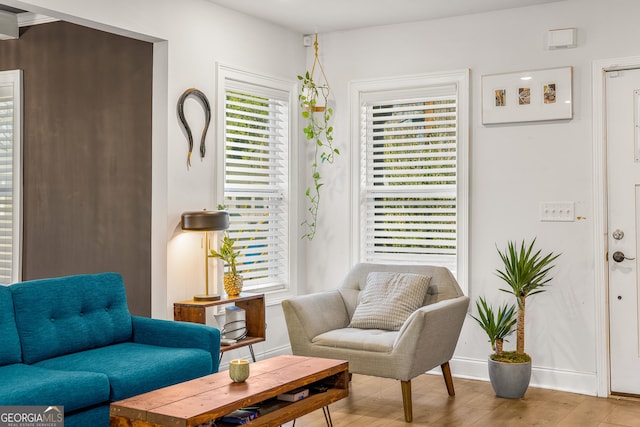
point(205, 221)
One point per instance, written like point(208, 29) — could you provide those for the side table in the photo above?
point(252, 304)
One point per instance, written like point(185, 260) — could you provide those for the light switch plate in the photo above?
point(557, 211)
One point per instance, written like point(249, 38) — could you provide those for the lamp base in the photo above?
point(212, 297)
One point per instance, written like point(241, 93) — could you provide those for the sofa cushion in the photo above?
point(10, 351)
point(136, 368)
point(358, 339)
point(388, 299)
point(70, 314)
point(22, 384)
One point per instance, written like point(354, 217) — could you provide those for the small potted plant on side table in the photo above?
point(232, 280)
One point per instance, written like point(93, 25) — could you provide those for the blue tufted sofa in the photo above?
point(72, 342)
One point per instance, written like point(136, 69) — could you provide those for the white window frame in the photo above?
point(13, 79)
point(225, 76)
point(362, 88)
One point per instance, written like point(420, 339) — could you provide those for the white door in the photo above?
point(623, 180)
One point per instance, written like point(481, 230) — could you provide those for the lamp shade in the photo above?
point(205, 220)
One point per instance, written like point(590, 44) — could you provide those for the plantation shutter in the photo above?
point(256, 181)
point(409, 180)
point(6, 184)
point(10, 175)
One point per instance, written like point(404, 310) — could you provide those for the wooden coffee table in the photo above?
point(208, 398)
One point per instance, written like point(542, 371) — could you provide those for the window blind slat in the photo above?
point(412, 145)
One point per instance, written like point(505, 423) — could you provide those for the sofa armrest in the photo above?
point(167, 333)
point(310, 315)
point(429, 336)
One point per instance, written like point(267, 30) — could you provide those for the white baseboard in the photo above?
point(549, 378)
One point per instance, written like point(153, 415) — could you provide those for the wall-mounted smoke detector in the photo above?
point(8, 26)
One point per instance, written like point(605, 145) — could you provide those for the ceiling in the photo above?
point(311, 16)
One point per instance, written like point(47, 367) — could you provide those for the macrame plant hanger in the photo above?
point(314, 100)
point(323, 88)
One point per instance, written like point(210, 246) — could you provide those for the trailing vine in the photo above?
point(313, 100)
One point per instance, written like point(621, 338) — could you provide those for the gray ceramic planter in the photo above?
point(509, 380)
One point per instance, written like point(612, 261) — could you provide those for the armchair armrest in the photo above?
point(166, 333)
point(310, 315)
point(429, 336)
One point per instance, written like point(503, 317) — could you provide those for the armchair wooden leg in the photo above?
point(406, 400)
point(446, 373)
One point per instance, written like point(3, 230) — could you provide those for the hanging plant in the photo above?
point(313, 100)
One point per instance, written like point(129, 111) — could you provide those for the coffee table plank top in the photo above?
point(197, 401)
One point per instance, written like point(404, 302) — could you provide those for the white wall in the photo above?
point(191, 36)
point(512, 167)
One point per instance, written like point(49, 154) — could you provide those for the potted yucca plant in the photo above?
point(526, 272)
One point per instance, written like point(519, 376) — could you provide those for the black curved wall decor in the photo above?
point(207, 110)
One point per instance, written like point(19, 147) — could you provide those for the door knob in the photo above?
point(619, 257)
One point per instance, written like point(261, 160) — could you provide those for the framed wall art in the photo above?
point(527, 96)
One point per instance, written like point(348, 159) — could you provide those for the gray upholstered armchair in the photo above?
point(320, 325)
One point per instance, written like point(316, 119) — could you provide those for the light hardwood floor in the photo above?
point(377, 402)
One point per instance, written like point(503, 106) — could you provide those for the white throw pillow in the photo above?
point(388, 299)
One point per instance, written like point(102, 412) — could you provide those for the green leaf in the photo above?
point(498, 325)
point(524, 271)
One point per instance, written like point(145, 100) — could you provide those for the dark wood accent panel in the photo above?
point(87, 154)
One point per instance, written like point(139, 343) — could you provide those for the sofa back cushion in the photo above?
point(10, 349)
point(68, 314)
